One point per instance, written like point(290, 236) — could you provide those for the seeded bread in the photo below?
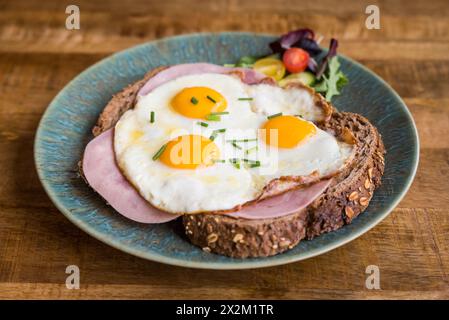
point(348, 195)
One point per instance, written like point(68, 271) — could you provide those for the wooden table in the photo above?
point(38, 56)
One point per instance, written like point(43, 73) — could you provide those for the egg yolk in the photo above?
point(287, 131)
point(198, 102)
point(189, 152)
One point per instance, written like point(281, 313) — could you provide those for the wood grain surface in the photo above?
point(38, 56)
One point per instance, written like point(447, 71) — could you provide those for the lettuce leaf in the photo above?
point(300, 38)
point(333, 80)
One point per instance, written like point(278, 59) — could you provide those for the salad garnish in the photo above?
point(297, 57)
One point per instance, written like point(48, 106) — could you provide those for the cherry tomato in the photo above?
point(296, 60)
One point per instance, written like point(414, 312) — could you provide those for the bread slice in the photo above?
point(347, 196)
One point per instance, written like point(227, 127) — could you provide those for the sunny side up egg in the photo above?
point(210, 142)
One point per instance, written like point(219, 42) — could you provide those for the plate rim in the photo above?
point(245, 264)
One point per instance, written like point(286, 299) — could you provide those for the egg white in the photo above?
point(220, 186)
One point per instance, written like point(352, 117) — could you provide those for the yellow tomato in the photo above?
point(270, 67)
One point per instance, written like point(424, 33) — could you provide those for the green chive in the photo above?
point(159, 152)
point(299, 115)
point(254, 165)
point(250, 150)
point(213, 117)
point(203, 124)
point(215, 132)
point(235, 163)
point(245, 99)
point(219, 161)
point(152, 117)
point(274, 115)
point(194, 100)
point(218, 113)
point(236, 145)
point(241, 140)
point(251, 161)
point(211, 99)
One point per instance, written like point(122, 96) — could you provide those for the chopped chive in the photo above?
point(274, 115)
point(211, 99)
point(219, 161)
point(194, 100)
point(251, 161)
point(216, 132)
point(235, 145)
point(159, 152)
point(242, 140)
point(218, 113)
point(254, 165)
point(235, 163)
point(245, 99)
point(299, 115)
point(211, 117)
point(250, 150)
point(203, 124)
point(152, 117)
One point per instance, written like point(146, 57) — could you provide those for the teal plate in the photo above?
point(65, 129)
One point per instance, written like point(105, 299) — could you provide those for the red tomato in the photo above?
point(296, 60)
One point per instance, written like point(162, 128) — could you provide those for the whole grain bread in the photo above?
point(348, 195)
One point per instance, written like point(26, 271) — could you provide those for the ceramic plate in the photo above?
point(65, 129)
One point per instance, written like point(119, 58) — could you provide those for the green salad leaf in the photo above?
point(332, 81)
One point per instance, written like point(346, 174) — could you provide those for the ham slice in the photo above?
point(249, 76)
point(105, 177)
point(284, 204)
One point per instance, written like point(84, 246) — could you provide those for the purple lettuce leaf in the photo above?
point(331, 53)
point(301, 38)
point(312, 65)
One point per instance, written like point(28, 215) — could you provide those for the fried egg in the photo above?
point(210, 142)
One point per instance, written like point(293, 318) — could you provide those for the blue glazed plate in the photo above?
point(65, 129)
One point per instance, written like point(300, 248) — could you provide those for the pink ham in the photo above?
point(250, 76)
point(104, 176)
point(284, 204)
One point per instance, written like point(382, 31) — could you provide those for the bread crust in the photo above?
point(120, 103)
point(348, 195)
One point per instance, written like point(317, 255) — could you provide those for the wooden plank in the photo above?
point(31, 72)
point(417, 36)
point(133, 292)
point(397, 7)
point(409, 247)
